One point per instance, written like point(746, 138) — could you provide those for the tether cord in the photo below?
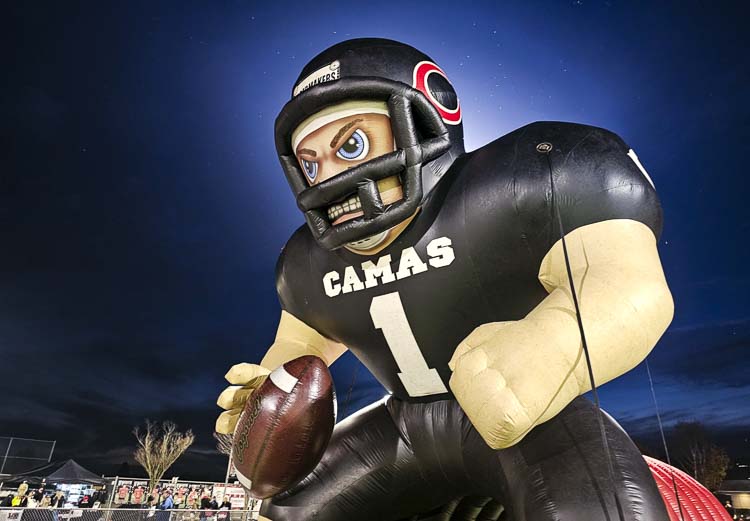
point(349, 392)
point(664, 440)
point(599, 415)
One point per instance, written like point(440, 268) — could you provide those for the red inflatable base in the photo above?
point(696, 502)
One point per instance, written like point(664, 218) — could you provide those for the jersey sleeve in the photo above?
point(282, 281)
point(288, 269)
point(596, 177)
point(294, 280)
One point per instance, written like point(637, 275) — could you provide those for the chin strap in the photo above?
point(546, 148)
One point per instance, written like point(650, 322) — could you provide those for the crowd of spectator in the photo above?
point(164, 498)
point(160, 499)
point(41, 499)
point(23, 497)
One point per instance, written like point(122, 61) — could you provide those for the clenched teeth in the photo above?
point(350, 205)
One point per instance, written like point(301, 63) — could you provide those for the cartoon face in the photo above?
point(341, 144)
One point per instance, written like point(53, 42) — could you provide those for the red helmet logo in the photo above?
point(421, 72)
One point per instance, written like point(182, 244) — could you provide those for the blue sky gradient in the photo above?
point(143, 207)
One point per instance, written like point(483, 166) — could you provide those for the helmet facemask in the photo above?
point(420, 137)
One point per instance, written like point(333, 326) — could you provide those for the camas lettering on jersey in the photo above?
point(439, 254)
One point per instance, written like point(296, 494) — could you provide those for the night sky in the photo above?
point(142, 206)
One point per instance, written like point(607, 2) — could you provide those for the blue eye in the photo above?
point(310, 168)
point(356, 147)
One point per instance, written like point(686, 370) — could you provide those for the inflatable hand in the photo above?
point(245, 379)
point(508, 379)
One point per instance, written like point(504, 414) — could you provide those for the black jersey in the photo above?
point(471, 256)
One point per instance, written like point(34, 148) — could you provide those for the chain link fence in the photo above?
point(125, 514)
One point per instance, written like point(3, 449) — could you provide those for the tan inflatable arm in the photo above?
point(512, 376)
point(294, 338)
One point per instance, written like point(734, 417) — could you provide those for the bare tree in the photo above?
point(224, 446)
point(159, 447)
point(223, 443)
point(698, 456)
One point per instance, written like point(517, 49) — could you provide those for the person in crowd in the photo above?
point(205, 508)
point(223, 513)
point(58, 501)
point(46, 501)
point(22, 489)
point(30, 501)
point(16, 502)
point(214, 504)
point(180, 496)
point(192, 499)
point(8, 500)
point(85, 502)
point(168, 502)
point(39, 494)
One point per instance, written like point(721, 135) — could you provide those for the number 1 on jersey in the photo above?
point(388, 314)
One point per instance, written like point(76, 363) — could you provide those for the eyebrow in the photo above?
point(307, 151)
point(343, 129)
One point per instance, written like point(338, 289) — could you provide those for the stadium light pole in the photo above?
point(229, 468)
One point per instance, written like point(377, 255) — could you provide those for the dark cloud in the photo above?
point(89, 401)
point(705, 354)
point(697, 376)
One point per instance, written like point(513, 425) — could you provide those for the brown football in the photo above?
point(285, 427)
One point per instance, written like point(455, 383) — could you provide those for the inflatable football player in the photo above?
point(444, 273)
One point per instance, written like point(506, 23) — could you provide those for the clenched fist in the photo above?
point(245, 378)
point(509, 377)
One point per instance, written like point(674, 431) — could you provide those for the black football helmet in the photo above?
point(425, 117)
